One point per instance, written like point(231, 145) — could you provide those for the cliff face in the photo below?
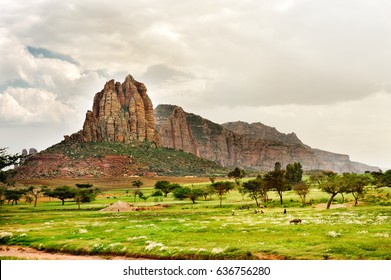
point(261, 131)
point(121, 113)
point(248, 146)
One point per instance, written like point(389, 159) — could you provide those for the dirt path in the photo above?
point(32, 254)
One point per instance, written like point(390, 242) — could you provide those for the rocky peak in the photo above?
point(121, 113)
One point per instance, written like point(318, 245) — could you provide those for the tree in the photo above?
point(302, 189)
point(34, 191)
point(221, 188)
point(275, 180)
point(294, 173)
point(136, 184)
point(237, 173)
point(166, 187)
point(85, 193)
point(255, 190)
point(62, 193)
point(382, 179)
point(14, 195)
point(333, 186)
point(356, 185)
point(182, 193)
point(7, 159)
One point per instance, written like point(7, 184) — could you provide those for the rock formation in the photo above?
point(120, 113)
point(261, 131)
point(254, 146)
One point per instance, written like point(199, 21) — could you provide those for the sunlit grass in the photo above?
point(202, 230)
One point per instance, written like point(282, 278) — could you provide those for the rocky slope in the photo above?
point(252, 146)
point(120, 113)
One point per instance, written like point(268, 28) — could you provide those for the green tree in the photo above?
point(7, 159)
point(166, 187)
point(293, 173)
point(237, 173)
point(221, 188)
point(136, 188)
point(85, 193)
point(333, 185)
point(356, 185)
point(14, 196)
point(254, 189)
point(62, 193)
point(382, 179)
point(193, 194)
point(302, 189)
point(275, 180)
point(34, 191)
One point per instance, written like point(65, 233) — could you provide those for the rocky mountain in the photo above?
point(120, 113)
point(124, 136)
point(253, 146)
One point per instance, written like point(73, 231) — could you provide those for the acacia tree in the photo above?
point(254, 189)
point(356, 185)
point(166, 187)
point(62, 193)
point(85, 193)
point(302, 189)
point(275, 180)
point(136, 184)
point(333, 186)
point(221, 188)
point(35, 191)
point(186, 192)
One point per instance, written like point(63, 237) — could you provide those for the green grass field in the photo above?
point(182, 230)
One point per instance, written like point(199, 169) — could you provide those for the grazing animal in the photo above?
point(295, 221)
point(284, 211)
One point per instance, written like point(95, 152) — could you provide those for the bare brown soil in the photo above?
point(33, 254)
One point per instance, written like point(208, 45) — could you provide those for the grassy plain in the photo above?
point(182, 230)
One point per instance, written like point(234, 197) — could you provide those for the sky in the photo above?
point(319, 68)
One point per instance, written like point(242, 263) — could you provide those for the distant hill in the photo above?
point(251, 146)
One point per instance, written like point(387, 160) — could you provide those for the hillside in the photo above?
point(112, 159)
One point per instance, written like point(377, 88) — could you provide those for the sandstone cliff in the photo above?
point(255, 147)
point(261, 131)
point(120, 113)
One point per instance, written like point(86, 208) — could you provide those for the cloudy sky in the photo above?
point(320, 68)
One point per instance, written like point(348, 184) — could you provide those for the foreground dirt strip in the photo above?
point(32, 254)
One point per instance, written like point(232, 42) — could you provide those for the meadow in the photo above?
point(183, 230)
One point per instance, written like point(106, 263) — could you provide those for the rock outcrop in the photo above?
point(261, 131)
point(248, 146)
point(120, 113)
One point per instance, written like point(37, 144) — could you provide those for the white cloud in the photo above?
point(30, 105)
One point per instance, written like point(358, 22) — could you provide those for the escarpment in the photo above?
point(253, 146)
